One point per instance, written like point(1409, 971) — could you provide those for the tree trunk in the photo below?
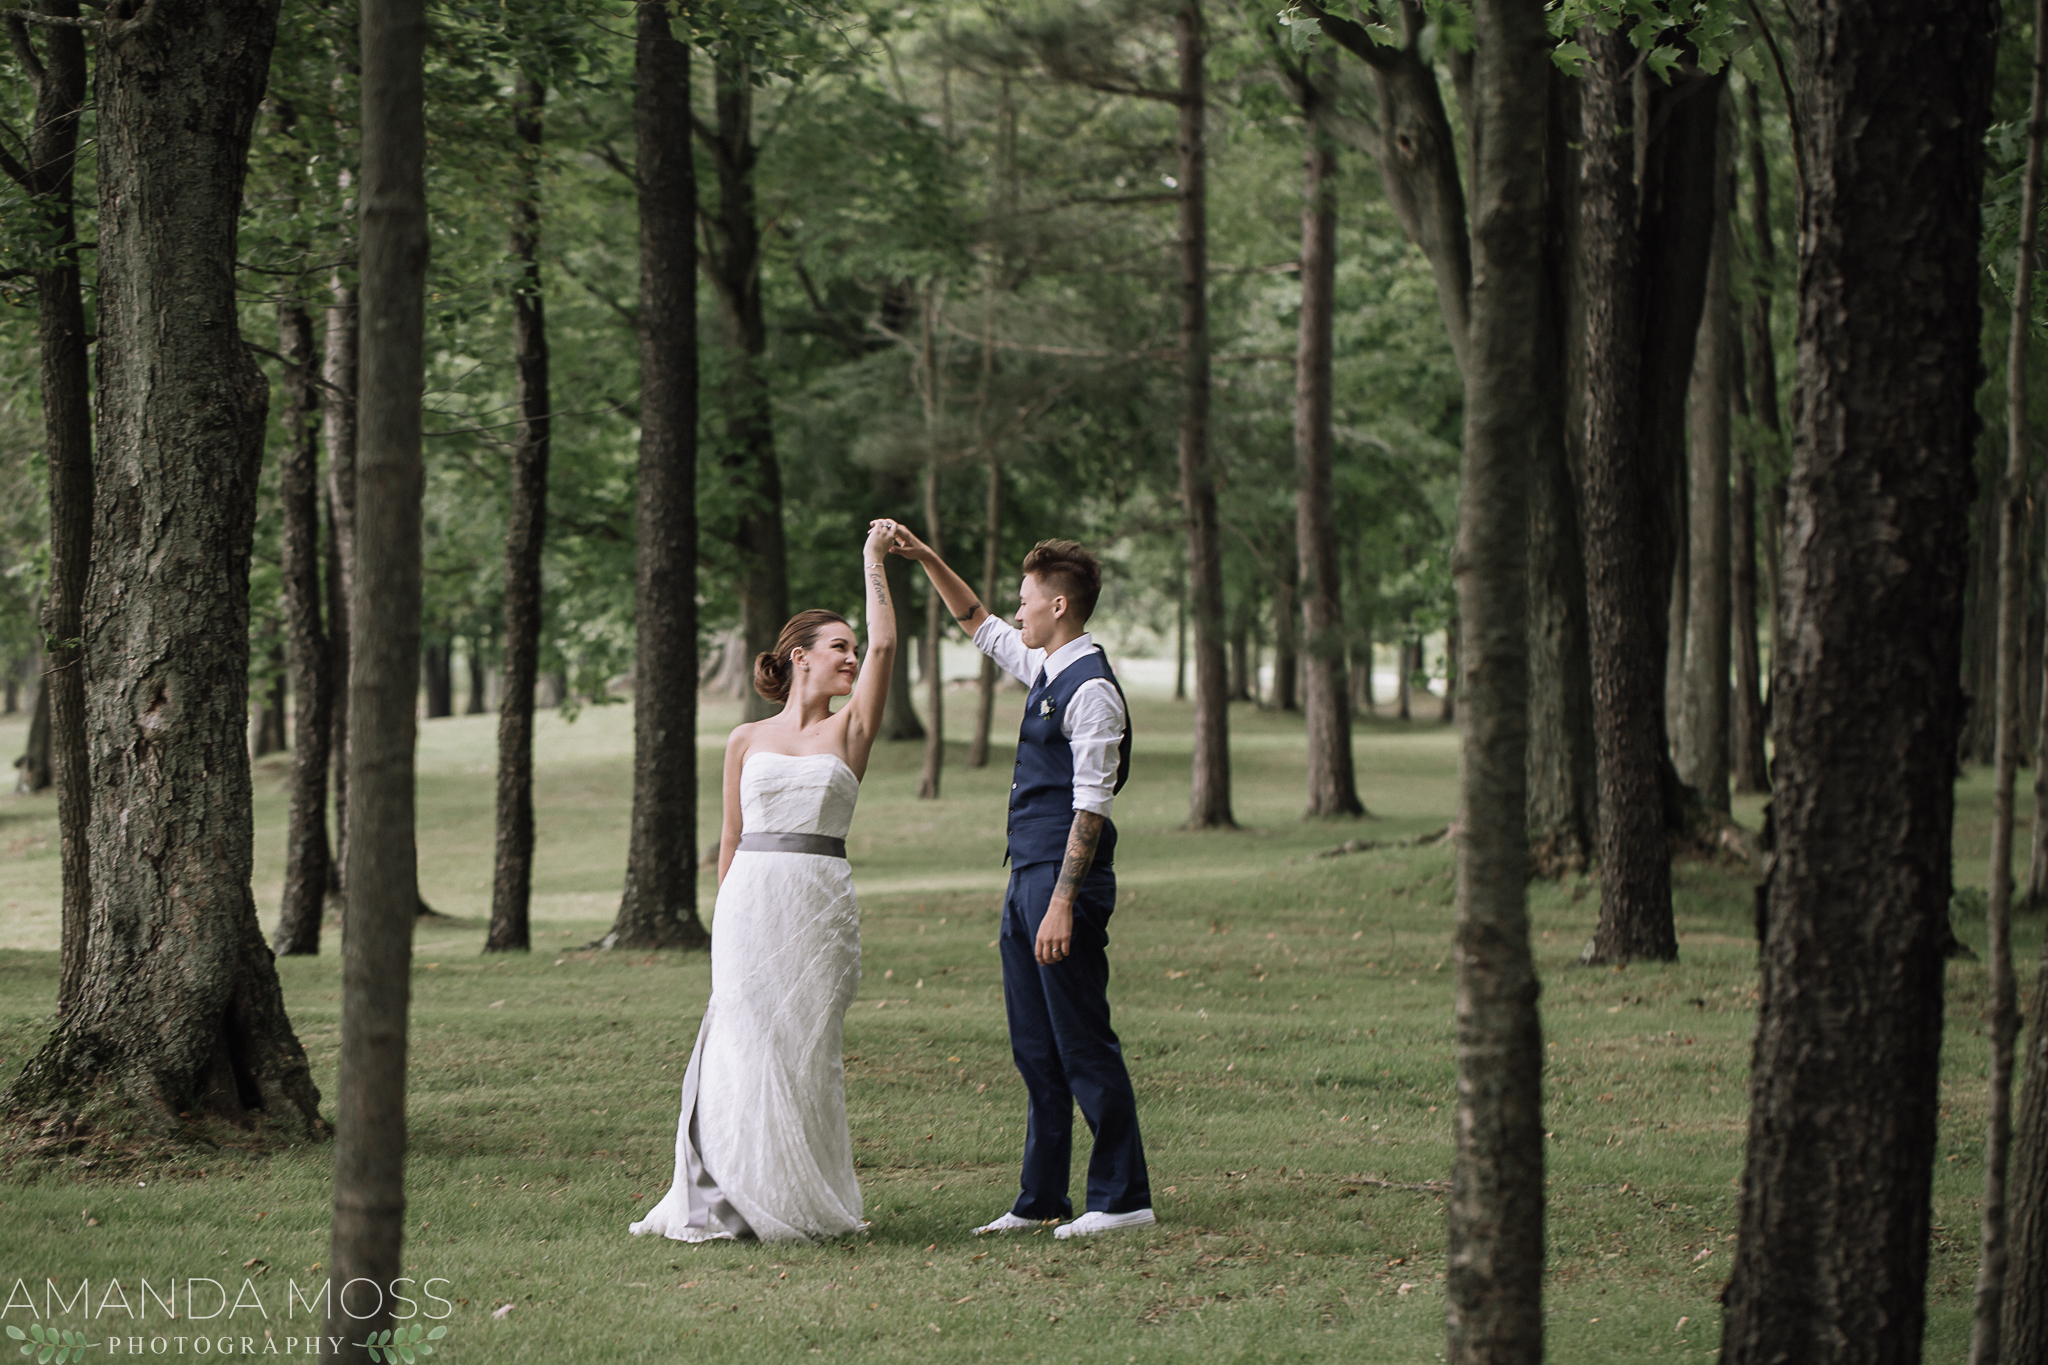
point(899, 713)
point(526, 525)
point(298, 496)
point(474, 657)
point(935, 634)
point(34, 763)
point(1624, 597)
point(338, 365)
point(1494, 1289)
point(753, 476)
point(1332, 780)
point(992, 553)
point(1404, 676)
point(1831, 1257)
point(179, 1010)
point(659, 906)
point(2037, 863)
point(1448, 712)
point(59, 79)
point(1761, 391)
point(1180, 640)
point(1700, 742)
point(1209, 788)
point(2003, 1025)
point(437, 677)
point(1561, 781)
point(1286, 636)
point(1241, 682)
point(382, 876)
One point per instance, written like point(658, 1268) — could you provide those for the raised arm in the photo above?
point(871, 692)
point(959, 598)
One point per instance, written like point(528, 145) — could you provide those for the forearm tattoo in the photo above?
point(1081, 841)
point(963, 617)
point(878, 584)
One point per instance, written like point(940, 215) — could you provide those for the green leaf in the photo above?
point(16, 1332)
point(43, 1356)
point(1661, 60)
point(36, 1330)
point(437, 1334)
point(1302, 33)
point(1571, 58)
point(405, 1352)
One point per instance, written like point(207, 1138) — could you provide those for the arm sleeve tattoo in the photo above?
point(1081, 841)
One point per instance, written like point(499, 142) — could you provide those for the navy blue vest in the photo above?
point(1042, 796)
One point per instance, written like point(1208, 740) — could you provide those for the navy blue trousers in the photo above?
point(1067, 1052)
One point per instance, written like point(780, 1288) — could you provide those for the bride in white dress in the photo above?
point(762, 1148)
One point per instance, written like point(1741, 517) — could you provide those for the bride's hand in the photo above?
point(906, 544)
point(881, 535)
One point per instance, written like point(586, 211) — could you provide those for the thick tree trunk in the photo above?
point(1562, 812)
point(659, 906)
point(1448, 711)
point(935, 634)
point(992, 554)
point(1209, 789)
point(1494, 1290)
point(179, 1011)
point(338, 364)
point(59, 78)
point(752, 474)
point(1988, 1315)
point(526, 525)
point(1761, 392)
point(1700, 740)
point(298, 495)
point(2037, 862)
point(1625, 598)
point(1831, 1257)
point(382, 877)
point(1332, 778)
point(1286, 634)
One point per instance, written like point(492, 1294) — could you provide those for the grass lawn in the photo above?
point(1287, 1020)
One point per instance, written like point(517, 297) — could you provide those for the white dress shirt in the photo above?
point(1093, 721)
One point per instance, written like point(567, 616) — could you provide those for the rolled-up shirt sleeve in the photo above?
point(1093, 727)
point(1003, 642)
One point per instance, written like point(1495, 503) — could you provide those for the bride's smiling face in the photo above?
point(832, 663)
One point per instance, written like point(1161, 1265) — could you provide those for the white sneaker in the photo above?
point(1009, 1222)
point(1094, 1221)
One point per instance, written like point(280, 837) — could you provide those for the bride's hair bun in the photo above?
point(772, 670)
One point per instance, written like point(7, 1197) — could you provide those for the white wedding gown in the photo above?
point(762, 1148)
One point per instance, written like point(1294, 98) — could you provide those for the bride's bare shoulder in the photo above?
point(741, 738)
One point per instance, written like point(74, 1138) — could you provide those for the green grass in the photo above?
point(1287, 1018)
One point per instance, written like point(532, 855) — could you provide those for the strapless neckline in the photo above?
point(771, 753)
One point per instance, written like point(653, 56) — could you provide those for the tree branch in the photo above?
point(29, 16)
point(17, 33)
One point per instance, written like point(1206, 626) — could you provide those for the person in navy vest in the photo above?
point(1073, 754)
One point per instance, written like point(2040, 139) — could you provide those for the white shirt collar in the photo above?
point(1057, 661)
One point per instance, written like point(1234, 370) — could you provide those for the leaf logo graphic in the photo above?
point(406, 1344)
point(50, 1345)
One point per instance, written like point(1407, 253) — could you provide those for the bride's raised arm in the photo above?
point(871, 692)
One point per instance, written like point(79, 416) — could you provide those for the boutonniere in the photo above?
point(1045, 707)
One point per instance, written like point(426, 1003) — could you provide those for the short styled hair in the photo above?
point(1068, 571)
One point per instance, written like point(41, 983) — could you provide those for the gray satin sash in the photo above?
point(773, 841)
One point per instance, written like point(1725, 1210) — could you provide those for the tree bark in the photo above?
point(899, 712)
point(298, 483)
point(1761, 391)
point(747, 453)
point(1561, 817)
point(1831, 1256)
point(1332, 778)
point(1243, 686)
point(992, 554)
point(1494, 1289)
point(1209, 788)
point(339, 365)
point(526, 525)
point(382, 878)
point(179, 1011)
point(1987, 1325)
point(59, 79)
point(659, 905)
point(1448, 711)
point(1624, 597)
point(1700, 742)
